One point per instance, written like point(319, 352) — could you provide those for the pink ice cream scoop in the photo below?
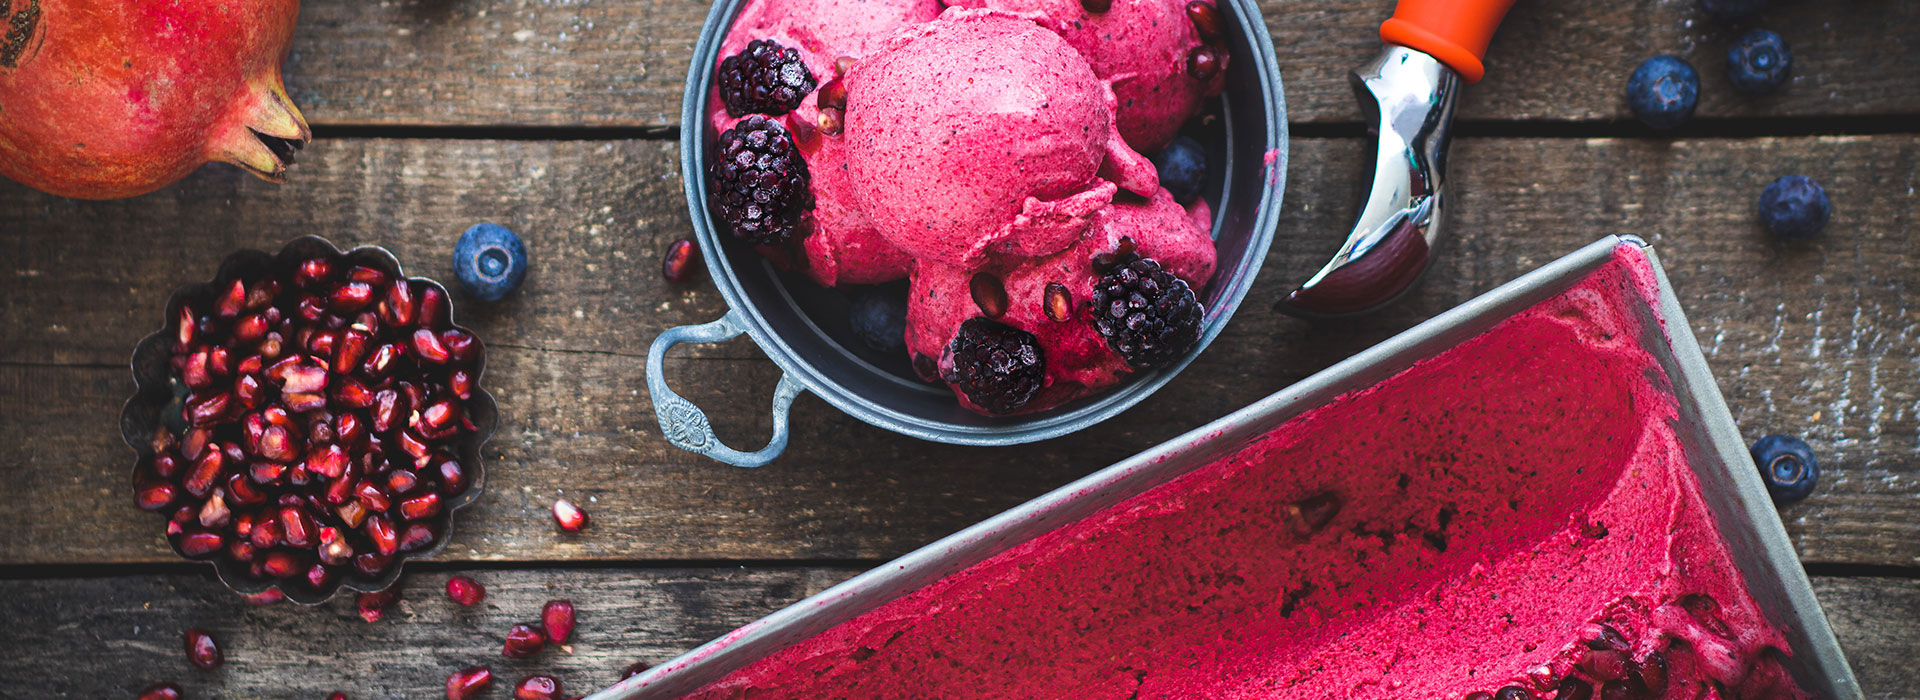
point(982, 135)
point(1163, 57)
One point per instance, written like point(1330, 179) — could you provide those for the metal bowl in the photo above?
point(155, 404)
point(802, 327)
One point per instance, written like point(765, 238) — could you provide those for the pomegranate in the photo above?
point(537, 688)
point(201, 649)
point(108, 99)
point(568, 516)
point(465, 591)
point(557, 619)
point(523, 641)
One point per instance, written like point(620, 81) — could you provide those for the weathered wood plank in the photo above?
point(102, 638)
point(509, 62)
point(1814, 339)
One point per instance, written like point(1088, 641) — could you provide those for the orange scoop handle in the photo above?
point(1455, 32)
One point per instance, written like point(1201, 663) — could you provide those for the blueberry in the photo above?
point(1795, 207)
point(1758, 62)
point(1662, 91)
point(879, 318)
point(1182, 166)
point(490, 261)
point(1787, 465)
point(1729, 10)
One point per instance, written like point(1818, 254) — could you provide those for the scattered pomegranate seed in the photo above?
point(1058, 302)
point(201, 649)
point(267, 597)
point(373, 606)
point(1202, 64)
point(161, 691)
point(568, 516)
point(466, 591)
point(682, 259)
point(1205, 18)
point(469, 683)
point(523, 641)
point(537, 688)
point(557, 619)
point(989, 293)
point(337, 695)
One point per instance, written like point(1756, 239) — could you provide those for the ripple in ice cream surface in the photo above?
point(990, 152)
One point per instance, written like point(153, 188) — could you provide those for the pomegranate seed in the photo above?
point(185, 330)
point(311, 308)
point(282, 564)
point(1097, 5)
point(265, 534)
point(296, 526)
point(380, 530)
point(243, 492)
point(400, 307)
point(427, 347)
point(680, 262)
point(557, 618)
point(1513, 692)
point(200, 479)
point(247, 390)
point(351, 513)
point(154, 495)
point(380, 362)
point(1604, 664)
point(420, 507)
point(400, 481)
point(266, 597)
point(537, 688)
point(462, 685)
point(194, 373)
point(1572, 688)
point(453, 477)
point(301, 403)
point(199, 543)
point(203, 412)
point(350, 393)
point(1058, 304)
point(219, 361)
point(214, 513)
point(231, 303)
point(389, 408)
point(371, 276)
point(460, 345)
point(1653, 674)
point(323, 342)
point(373, 606)
point(329, 461)
point(201, 649)
point(349, 428)
point(414, 445)
point(569, 516)
point(241, 551)
point(277, 445)
point(262, 293)
point(460, 383)
point(334, 549)
point(195, 442)
point(370, 564)
point(523, 641)
point(252, 365)
point(833, 94)
point(373, 497)
point(296, 376)
point(166, 465)
point(352, 349)
point(433, 306)
point(441, 414)
point(320, 577)
point(350, 297)
point(161, 691)
point(337, 695)
point(271, 346)
point(312, 273)
point(1206, 19)
point(416, 536)
point(250, 328)
point(1202, 64)
point(466, 591)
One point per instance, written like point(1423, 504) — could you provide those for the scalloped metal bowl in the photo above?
point(803, 327)
point(155, 403)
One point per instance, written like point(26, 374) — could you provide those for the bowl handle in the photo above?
point(685, 425)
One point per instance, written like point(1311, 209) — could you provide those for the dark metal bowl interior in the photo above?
point(804, 327)
point(156, 402)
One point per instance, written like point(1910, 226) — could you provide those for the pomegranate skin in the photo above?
point(105, 99)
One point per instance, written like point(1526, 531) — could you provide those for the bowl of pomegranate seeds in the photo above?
point(308, 420)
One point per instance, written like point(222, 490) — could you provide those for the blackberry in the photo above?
point(1146, 314)
point(760, 183)
point(764, 78)
point(997, 366)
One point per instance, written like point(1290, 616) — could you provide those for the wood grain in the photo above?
point(109, 637)
point(1812, 339)
point(510, 63)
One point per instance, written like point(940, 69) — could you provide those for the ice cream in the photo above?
point(1516, 512)
point(979, 149)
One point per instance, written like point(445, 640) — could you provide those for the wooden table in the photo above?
point(557, 119)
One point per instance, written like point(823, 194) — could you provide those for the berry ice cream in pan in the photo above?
point(1518, 517)
point(990, 153)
